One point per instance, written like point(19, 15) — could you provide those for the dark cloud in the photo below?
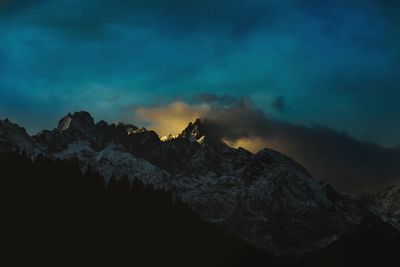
point(87, 20)
point(351, 165)
point(12, 7)
point(279, 104)
point(215, 99)
point(240, 121)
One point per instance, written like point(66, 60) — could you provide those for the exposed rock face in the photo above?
point(386, 204)
point(13, 137)
point(80, 127)
point(265, 198)
point(193, 131)
point(79, 121)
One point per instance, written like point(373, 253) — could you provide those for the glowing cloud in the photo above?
point(351, 165)
point(253, 144)
point(171, 119)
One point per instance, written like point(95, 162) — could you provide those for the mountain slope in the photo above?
point(13, 137)
point(267, 199)
point(386, 204)
point(54, 213)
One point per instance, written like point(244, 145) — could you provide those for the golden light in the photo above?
point(171, 119)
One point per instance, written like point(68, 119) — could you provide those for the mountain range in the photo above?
point(266, 199)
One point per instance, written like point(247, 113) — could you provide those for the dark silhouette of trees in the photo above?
point(57, 214)
point(52, 213)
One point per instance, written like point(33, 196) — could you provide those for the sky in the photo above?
point(322, 69)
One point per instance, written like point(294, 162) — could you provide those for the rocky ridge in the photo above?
point(266, 198)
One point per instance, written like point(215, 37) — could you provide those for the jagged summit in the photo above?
point(129, 128)
point(167, 137)
point(195, 131)
point(78, 120)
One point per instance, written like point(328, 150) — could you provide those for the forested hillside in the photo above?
point(53, 214)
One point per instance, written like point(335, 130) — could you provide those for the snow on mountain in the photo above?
point(114, 160)
point(267, 199)
point(386, 204)
point(80, 121)
point(167, 137)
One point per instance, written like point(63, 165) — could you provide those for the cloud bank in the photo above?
point(349, 164)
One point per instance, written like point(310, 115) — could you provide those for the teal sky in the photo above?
point(333, 63)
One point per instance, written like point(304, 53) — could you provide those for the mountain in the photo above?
point(14, 137)
point(266, 199)
point(386, 204)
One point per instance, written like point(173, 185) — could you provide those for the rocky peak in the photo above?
point(14, 137)
point(129, 128)
point(194, 131)
point(78, 121)
point(167, 137)
point(72, 128)
point(139, 130)
point(102, 124)
point(7, 124)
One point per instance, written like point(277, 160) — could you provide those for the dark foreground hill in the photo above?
point(52, 214)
